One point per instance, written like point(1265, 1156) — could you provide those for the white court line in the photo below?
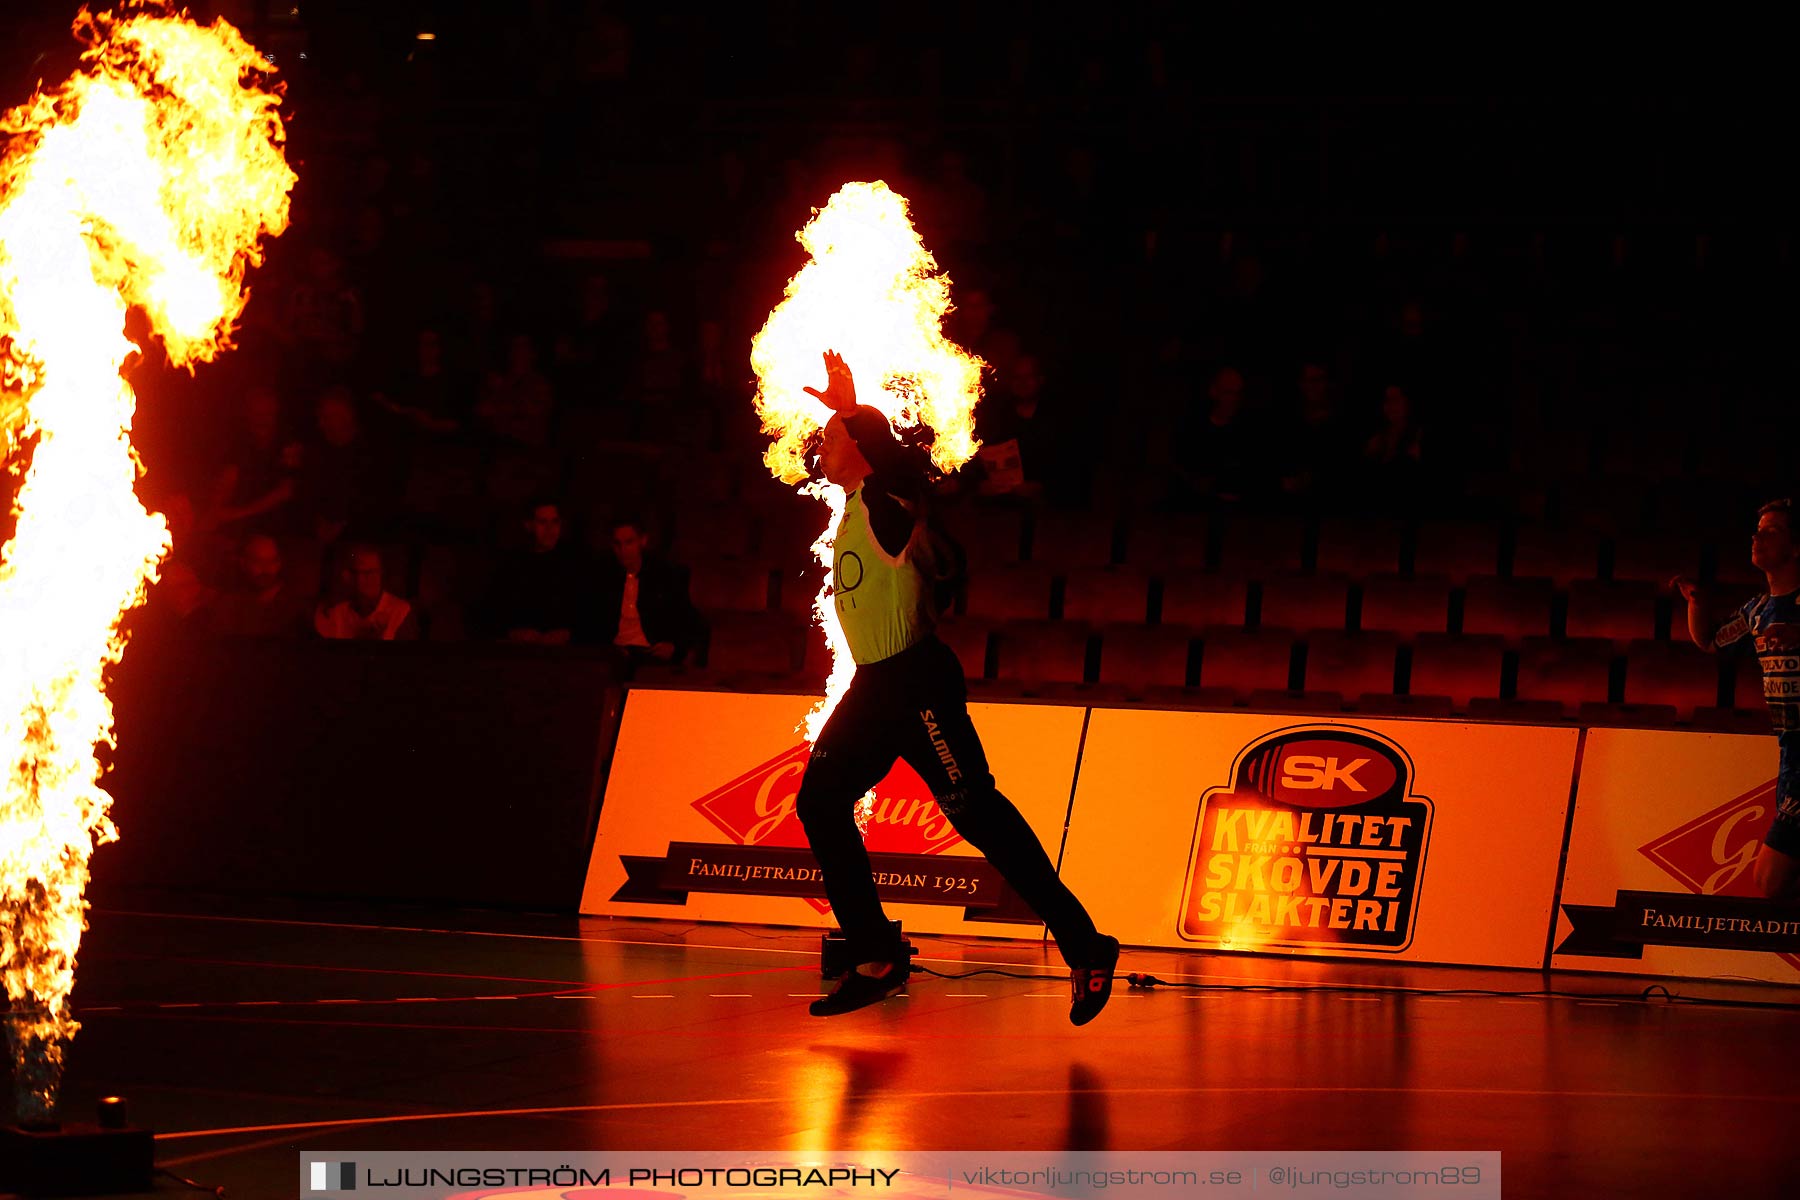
point(969, 995)
point(337, 1001)
point(654, 996)
point(1361, 999)
point(729, 996)
point(806, 995)
point(606, 941)
point(1759, 1100)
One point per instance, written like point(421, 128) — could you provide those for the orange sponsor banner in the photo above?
point(1659, 879)
point(1421, 841)
point(698, 822)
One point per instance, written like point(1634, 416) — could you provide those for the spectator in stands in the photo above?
point(427, 397)
point(659, 377)
point(540, 594)
point(254, 489)
point(972, 326)
point(178, 604)
point(591, 354)
point(1316, 449)
point(644, 610)
point(1218, 453)
point(1394, 453)
point(1768, 626)
point(338, 486)
point(326, 315)
point(1026, 452)
point(262, 604)
point(370, 612)
point(516, 406)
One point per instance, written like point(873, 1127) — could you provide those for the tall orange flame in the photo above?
point(146, 180)
point(871, 291)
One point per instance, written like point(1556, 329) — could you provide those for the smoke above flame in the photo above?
point(871, 291)
point(145, 180)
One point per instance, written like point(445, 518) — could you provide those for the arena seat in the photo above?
point(1358, 546)
point(1747, 682)
point(1261, 546)
point(987, 535)
point(1162, 545)
point(1069, 540)
point(1202, 598)
point(968, 637)
point(1245, 660)
point(1622, 610)
point(729, 584)
point(1351, 664)
point(1572, 671)
point(727, 530)
point(1145, 656)
point(1643, 715)
point(1306, 602)
point(1683, 677)
point(753, 643)
point(1398, 604)
point(1656, 557)
point(1009, 591)
point(1099, 595)
point(1461, 667)
point(1559, 553)
point(1041, 651)
point(1458, 549)
point(1513, 608)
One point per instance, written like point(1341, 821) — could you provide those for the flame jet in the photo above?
point(146, 180)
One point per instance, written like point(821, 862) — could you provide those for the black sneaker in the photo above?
point(1091, 987)
point(857, 990)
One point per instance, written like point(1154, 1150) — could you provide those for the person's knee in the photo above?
point(1777, 875)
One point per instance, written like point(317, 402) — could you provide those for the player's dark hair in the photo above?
point(1784, 506)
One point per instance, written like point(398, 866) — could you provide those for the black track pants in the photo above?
point(888, 713)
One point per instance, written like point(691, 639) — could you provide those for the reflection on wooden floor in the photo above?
point(245, 1031)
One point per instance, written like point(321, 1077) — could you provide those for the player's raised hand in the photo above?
point(1685, 585)
point(840, 389)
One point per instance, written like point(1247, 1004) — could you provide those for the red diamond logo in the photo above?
point(757, 809)
point(1712, 855)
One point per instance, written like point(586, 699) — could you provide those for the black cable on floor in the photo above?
point(209, 1189)
point(1140, 981)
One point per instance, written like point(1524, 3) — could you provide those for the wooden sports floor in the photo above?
point(244, 1031)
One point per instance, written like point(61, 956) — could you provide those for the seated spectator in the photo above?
point(644, 610)
point(540, 594)
point(592, 352)
point(1023, 452)
point(427, 396)
point(1218, 454)
point(659, 377)
point(178, 603)
point(1394, 453)
point(1317, 449)
point(325, 315)
point(516, 406)
point(337, 485)
point(262, 605)
point(254, 489)
point(371, 613)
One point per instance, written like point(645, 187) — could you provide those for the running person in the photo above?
point(1771, 622)
point(908, 700)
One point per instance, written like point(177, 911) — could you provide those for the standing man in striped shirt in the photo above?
point(1771, 623)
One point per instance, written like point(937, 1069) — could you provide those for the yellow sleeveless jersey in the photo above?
point(882, 601)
